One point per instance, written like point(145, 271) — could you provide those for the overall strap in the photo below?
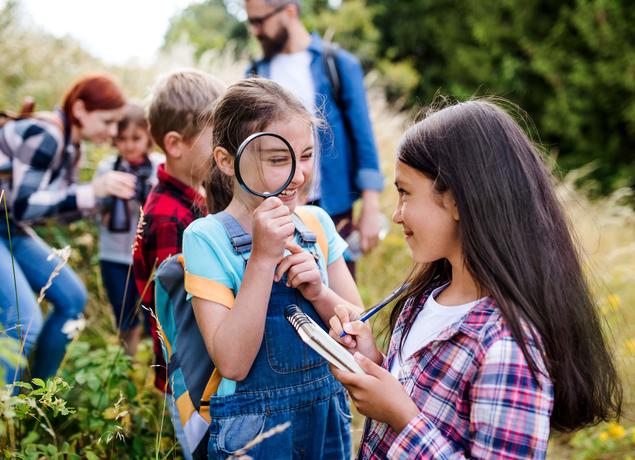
point(306, 236)
point(240, 239)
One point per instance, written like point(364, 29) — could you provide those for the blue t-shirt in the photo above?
point(213, 271)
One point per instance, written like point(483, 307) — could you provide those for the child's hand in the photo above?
point(302, 272)
point(115, 183)
point(272, 226)
point(359, 336)
point(378, 394)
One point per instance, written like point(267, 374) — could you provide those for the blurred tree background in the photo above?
point(569, 64)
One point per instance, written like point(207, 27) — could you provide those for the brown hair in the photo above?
point(247, 107)
point(182, 101)
point(97, 92)
point(134, 116)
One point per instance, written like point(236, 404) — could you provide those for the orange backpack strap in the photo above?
point(313, 224)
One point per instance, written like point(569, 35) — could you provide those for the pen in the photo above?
point(368, 313)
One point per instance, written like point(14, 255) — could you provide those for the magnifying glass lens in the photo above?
point(266, 165)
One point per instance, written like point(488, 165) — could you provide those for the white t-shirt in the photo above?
point(293, 72)
point(429, 323)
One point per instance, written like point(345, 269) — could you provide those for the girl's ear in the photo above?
point(450, 204)
point(78, 109)
point(224, 161)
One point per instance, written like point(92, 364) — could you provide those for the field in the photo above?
point(103, 404)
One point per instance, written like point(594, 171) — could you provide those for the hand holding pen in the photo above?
point(368, 313)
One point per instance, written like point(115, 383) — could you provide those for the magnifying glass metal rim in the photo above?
point(241, 150)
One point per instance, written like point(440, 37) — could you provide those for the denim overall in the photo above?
point(288, 382)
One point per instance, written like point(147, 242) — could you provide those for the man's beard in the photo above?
point(273, 46)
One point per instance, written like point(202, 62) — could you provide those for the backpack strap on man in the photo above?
point(329, 54)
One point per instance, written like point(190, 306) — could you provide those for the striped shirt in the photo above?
point(39, 168)
point(475, 391)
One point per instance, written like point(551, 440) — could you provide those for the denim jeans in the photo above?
point(20, 314)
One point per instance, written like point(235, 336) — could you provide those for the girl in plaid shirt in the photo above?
point(497, 338)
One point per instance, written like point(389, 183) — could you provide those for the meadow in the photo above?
point(103, 404)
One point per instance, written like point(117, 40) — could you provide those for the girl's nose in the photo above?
point(396, 215)
point(298, 175)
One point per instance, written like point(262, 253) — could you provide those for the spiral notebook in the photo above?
point(315, 337)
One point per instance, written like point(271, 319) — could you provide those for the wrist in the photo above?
point(403, 416)
point(370, 200)
point(262, 262)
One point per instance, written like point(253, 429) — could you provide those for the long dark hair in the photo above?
point(247, 106)
point(518, 245)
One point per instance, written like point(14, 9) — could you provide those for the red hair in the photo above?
point(97, 92)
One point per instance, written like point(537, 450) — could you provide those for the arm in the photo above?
point(233, 335)
point(368, 177)
point(233, 330)
point(504, 391)
point(33, 158)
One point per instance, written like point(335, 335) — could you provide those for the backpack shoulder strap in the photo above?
point(253, 69)
point(332, 71)
point(312, 222)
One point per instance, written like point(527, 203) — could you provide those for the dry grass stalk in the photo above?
point(63, 255)
point(242, 453)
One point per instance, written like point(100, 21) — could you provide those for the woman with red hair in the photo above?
point(39, 159)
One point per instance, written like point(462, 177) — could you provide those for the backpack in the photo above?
point(191, 373)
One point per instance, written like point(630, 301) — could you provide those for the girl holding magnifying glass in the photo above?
point(250, 260)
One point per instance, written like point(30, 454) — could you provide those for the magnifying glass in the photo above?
point(265, 164)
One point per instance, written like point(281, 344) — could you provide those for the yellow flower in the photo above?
point(614, 301)
point(630, 346)
point(615, 430)
point(604, 436)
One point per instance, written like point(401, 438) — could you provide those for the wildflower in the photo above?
point(615, 430)
point(604, 436)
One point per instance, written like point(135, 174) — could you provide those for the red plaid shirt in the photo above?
point(475, 392)
point(171, 206)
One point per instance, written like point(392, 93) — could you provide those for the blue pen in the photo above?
point(368, 313)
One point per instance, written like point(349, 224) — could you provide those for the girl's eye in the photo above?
point(279, 161)
point(402, 192)
point(307, 156)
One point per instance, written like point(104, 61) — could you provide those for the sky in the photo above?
point(115, 31)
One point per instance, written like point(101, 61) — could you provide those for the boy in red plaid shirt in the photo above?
point(179, 122)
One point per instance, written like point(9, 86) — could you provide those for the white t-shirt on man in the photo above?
point(293, 72)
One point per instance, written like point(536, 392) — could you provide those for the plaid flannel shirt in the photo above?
point(475, 391)
point(39, 168)
point(171, 206)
